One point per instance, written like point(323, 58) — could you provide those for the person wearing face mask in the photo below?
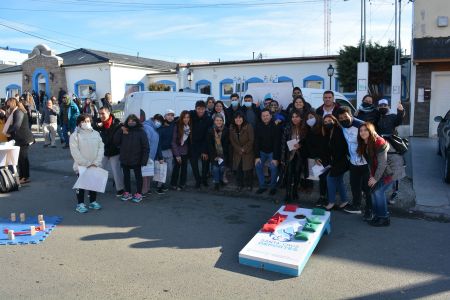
point(367, 112)
point(164, 153)
point(232, 109)
point(334, 153)
point(359, 170)
point(386, 126)
point(251, 112)
point(86, 148)
point(107, 127)
point(388, 122)
point(218, 147)
point(316, 144)
point(134, 153)
point(69, 114)
point(150, 127)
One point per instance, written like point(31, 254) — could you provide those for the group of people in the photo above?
point(278, 145)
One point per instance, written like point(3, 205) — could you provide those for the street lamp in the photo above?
point(330, 72)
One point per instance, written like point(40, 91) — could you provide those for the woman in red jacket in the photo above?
point(374, 148)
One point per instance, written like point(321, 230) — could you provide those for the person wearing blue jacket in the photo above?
point(69, 114)
point(150, 127)
point(164, 153)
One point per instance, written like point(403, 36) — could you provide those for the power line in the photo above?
point(175, 6)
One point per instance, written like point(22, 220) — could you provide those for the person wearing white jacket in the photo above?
point(87, 149)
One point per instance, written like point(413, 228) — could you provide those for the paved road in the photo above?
point(185, 245)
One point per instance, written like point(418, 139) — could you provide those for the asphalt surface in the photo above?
point(185, 245)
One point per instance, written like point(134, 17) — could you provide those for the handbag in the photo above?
point(400, 145)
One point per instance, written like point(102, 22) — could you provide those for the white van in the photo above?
point(151, 103)
point(282, 92)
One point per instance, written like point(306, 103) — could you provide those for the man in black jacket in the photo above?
point(267, 148)
point(232, 109)
point(199, 147)
point(329, 107)
point(387, 122)
point(367, 111)
point(107, 128)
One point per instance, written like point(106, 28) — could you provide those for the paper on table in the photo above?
point(160, 172)
point(92, 179)
point(291, 144)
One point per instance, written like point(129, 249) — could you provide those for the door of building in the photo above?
point(440, 100)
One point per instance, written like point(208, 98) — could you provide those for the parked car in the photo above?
point(443, 132)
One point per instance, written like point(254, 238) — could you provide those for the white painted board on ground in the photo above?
point(279, 250)
point(91, 179)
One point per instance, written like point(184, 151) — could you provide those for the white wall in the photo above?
point(121, 75)
point(98, 73)
point(7, 79)
point(295, 70)
point(425, 18)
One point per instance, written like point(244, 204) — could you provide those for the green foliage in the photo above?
point(158, 87)
point(380, 59)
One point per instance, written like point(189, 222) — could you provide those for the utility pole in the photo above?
point(326, 26)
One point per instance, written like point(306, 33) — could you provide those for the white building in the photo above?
point(75, 71)
point(221, 79)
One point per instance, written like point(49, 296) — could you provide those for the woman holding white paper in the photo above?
point(86, 148)
point(292, 152)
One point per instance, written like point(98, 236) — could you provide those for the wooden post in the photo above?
point(40, 218)
point(22, 217)
point(11, 235)
point(32, 230)
point(13, 217)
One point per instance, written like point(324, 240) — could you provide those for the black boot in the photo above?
point(380, 222)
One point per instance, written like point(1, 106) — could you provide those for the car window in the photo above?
point(343, 102)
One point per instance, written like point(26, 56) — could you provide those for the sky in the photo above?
point(197, 31)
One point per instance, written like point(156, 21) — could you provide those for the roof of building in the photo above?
point(87, 56)
point(10, 69)
point(261, 61)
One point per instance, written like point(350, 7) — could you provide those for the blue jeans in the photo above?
point(379, 201)
point(217, 171)
point(333, 184)
point(260, 170)
point(65, 132)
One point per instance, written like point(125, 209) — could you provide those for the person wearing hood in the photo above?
point(164, 153)
point(218, 147)
point(69, 114)
point(107, 127)
point(232, 109)
point(150, 127)
point(86, 148)
point(387, 122)
point(367, 111)
point(134, 153)
point(251, 112)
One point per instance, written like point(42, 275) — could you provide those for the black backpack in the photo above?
point(400, 145)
